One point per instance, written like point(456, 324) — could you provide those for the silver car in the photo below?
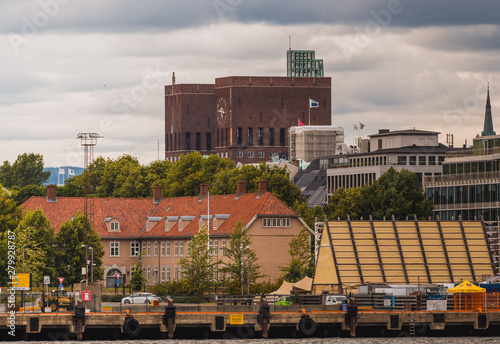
point(147, 298)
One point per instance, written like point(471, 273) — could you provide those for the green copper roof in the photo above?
point(488, 119)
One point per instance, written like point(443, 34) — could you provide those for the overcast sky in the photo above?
point(71, 66)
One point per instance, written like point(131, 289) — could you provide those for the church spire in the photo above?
point(488, 119)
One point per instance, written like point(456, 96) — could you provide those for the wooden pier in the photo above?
point(245, 322)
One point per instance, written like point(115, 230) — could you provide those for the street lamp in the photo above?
point(241, 260)
point(248, 269)
point(92, 263)
point(86, 265)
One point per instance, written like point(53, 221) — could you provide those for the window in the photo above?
point(250, 154)
point(156, 274)
point(148, 277)
point(181, 246)
point(114, 249)
point(115, 226)
point(421, 160)
point(276, 222)
point(134, 249)
point(198, 141)
point(266, 222)
point(271, 154)
point(163, 248)
point(216, 247)
point(168, 272)
point(180, 224)
point(143, 246)
point(401, 160)
point(239, 154)
point(166, 226)
point(200, 226)
point(176, 249)
point(215, 223)
point(282, 136)
point(413, 160)
point(162, 273)
point(286, 222)
point(432, 160)
point(176, 273)
point(261, 136)
point(210, 247)
point(261, 154)
point(156, 248)
point(250, 137)
point(379, 142)
point(188, 141)
point(239, 136)
point(168, 248)
point(271, 136)
point(149, 249)
point(209, 141)
point(440, 160)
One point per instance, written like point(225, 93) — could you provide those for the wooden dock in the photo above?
point(245, 322)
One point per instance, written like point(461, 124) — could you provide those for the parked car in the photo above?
point(283, 301)
point(335, 299)
point(147, 298)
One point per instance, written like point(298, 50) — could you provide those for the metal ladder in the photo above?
point(411, 324)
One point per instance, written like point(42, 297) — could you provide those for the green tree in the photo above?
point(198, 267)
point(36, 229)
point(10, 214)
point(302, 259)
point(242, 261)
point(26, 170)
point(71, 254)
point(394, 193)
point(21, 195)
point(138, 279)
point(186, 175)
point(30, 257)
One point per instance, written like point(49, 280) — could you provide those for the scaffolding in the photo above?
point(310, 142)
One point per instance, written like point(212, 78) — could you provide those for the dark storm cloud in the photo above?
point(132, 15)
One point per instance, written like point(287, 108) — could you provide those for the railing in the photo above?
point(465, 177)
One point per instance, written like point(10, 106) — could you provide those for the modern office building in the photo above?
point(415, 150)
point(470, 185)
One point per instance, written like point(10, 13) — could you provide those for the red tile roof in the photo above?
point(132, 213)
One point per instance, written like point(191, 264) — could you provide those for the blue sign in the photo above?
point(61, 287)
point(117, 282)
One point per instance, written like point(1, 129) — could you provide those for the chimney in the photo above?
point(262, 186)
point(51, 193)
point(156, 194)
point(203, 190)
point(240, 187)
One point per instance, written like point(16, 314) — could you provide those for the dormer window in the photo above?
point(201, 224)
point(112, 224)
point(166, 226)
point(215, 223)
point(180, 224)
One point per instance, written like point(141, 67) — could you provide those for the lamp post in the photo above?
point(92, 264)
point(86, 265)
point(248, 269)
point(241, 260)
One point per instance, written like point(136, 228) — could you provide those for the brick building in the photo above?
point(244, 118)
point(162, 228)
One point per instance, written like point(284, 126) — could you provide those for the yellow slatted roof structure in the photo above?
point(354, 253)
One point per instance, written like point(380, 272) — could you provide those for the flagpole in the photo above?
point(309, 111)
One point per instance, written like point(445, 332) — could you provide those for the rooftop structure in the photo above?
point(308, 142)
point(303, 63)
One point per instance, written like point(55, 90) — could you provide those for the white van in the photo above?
point(335, 299)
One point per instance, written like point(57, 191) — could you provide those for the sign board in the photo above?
point(236, 319)
point(86, 295)
point(46, 279)
point(117, 275)
point(22, 281)
point(61, 280)
point(61, 287)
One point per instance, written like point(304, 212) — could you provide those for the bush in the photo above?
point(111, 298)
